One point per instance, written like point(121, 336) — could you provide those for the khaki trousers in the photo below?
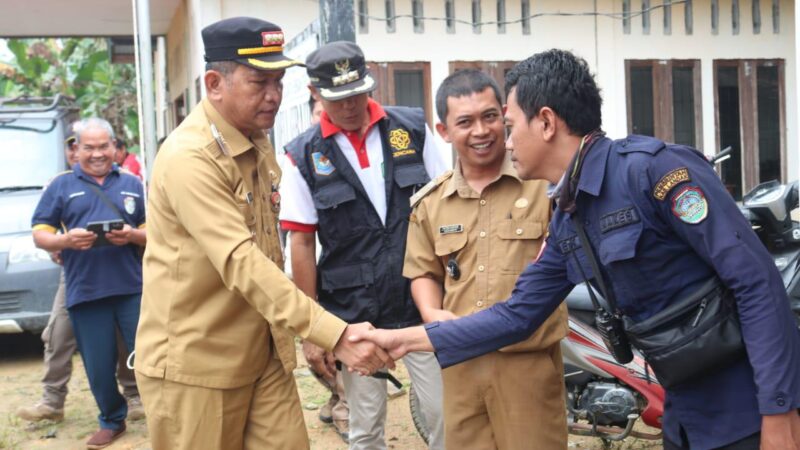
point(340, 410)
point(506, 401)
point(60, 345)
point(366, 397)
point(263, 415)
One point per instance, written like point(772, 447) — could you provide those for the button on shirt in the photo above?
point(491, 243)
point(654, 253)
point(365, 155)
point(69, 202)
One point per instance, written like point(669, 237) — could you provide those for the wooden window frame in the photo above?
point(748, 123)
point(663, 119)
point(384, 71)
point(495, 69)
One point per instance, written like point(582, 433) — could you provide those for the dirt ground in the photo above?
point(20, 371)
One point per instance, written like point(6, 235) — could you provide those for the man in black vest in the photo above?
point(350, 182)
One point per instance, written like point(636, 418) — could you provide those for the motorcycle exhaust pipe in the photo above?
point(613, 433)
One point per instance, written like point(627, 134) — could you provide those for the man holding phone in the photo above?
point(104, 282)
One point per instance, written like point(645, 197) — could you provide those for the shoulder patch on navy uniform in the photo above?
point(669, 181)
point(690, 205)
point(428, 188)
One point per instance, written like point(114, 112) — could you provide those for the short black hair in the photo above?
point(311, 102)
point(562, 81)
point(121, 142)
point(461, 83)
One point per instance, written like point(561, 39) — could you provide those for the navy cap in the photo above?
point(246, 40)
point(338, 71)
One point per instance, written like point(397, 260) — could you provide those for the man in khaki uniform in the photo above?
point(472, 231)
point(215, 351)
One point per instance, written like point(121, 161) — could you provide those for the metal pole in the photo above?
point(147, 114)
point(337, 20)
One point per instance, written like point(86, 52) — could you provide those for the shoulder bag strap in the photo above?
point(598, 275)
point(105, 199)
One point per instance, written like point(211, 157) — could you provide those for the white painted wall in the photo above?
point(600, 40)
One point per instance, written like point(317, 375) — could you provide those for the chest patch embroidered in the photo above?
point(322, 165)
point(669, 181)
point(450, 229)
point(690, 205)
point(130, 205)
point(618, 219)
point(568, 245)
point(399, 139)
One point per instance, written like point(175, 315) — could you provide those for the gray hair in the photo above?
point(92, 122)
point(224, 67)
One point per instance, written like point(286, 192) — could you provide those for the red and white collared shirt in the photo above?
point(365, 155)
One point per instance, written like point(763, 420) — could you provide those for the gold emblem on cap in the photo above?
point(345, 74)
point(342, 66)
point(521, 202)
point(399, 139)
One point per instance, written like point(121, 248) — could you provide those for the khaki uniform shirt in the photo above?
point(492, 236)
point(216, 301)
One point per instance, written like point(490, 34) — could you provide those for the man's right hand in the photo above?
point(321, 362)
point(361, 355)
point(79, 239)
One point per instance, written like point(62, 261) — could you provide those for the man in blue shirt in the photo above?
point(104, 283)
point(661, 223)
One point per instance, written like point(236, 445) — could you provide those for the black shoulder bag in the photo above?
point(692, 337)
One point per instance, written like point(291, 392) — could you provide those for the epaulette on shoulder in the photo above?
point(428, 188)
point(56, 176)
point(644, 144)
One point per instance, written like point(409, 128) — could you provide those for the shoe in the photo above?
point(135, 408)
point(40, 411)
point(104, 437)
point(393, 391)
point(326, 410)
point(342, 428)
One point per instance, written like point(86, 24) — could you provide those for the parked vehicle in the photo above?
point(32, 133)
point(769, 208)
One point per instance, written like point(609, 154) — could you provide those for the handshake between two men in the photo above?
point(366, 350)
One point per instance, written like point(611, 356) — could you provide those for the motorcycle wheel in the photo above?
point(416, 414)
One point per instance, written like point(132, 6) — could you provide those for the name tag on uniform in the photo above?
point(450, 229)
point(619, 218)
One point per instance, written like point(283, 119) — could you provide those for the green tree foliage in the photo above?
point(77, 67)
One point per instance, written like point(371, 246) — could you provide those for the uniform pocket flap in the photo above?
point(621, 245)
point(447, 244)
point(520, 229)
point(347, 277)
point(333, 195)
point(410, 174)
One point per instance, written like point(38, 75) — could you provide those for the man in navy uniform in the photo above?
point(103, 283)
point(659, 251)
point(350, 181)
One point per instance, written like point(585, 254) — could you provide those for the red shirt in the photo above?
point(131, 164)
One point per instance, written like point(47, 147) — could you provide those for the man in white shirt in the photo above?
point(350, 182)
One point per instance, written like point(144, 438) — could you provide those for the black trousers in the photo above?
point(751, 442)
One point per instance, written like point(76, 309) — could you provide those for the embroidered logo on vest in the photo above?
point(322, 165)
point(399, 139)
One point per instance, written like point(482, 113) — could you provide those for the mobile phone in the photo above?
point(100, 228)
